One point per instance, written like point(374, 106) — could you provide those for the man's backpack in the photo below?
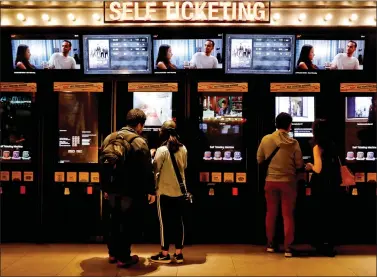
point(115, 151)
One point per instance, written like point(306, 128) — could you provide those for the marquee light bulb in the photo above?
point(302, 17)
point(21, 17)
point(71, 17)
point(276, 16)
point(328, 17)
point(45, 17)
point(96, 17)
point(354, 17)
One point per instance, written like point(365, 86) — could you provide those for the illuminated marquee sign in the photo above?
point(186, 11)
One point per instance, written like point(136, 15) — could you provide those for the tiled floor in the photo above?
point(200, 260)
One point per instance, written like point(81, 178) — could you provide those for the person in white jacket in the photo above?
point(170, 199)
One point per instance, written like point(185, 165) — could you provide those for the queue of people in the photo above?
point(125, 154)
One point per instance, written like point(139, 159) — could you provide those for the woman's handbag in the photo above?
point(187, 196)
point(348, 179)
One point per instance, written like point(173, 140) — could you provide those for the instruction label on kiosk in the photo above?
point(84, 177)
point(28, 176)
point(16, 176)
point(241, 177)
point(59, 177)
point(71, 177)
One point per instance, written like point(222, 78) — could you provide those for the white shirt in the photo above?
point(201, 60)
point(343, 62)
point(58, 61)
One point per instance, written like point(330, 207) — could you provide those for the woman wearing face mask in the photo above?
point(170, 200)
point(23, 58)
point(305, 61)
point(164, 58)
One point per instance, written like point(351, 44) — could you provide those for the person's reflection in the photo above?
point(367, 135)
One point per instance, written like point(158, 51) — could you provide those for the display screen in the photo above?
point(259, 54)
point(30, 54)
point(117, 54)
point(16, 127)
point(156, 105)
point(361, 129)
point(78, 127)
point(302, 111)
point(175, 54)
point(314, 55)
point(222, 124)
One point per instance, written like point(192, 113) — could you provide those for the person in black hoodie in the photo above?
point(127, 193)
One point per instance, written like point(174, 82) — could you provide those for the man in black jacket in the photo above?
point(127, 193)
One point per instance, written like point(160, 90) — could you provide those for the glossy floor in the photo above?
point(200, 260)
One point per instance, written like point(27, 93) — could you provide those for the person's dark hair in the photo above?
point(283, 120)
point(162, 56)
point(21, 56)
point(211, 41)
point(169, 136)
point(322, 134)
point(304, 56)
point(354, 42)
point(70, 44)
point(134, 117)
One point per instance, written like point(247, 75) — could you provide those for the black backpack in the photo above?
point(114, 154)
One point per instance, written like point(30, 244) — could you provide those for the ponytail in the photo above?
point(173, 142)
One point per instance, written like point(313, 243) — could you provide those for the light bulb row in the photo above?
point(45, 17)
point(328, 17)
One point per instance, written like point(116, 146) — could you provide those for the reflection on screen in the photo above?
point(271, 54)
point(16, 127)
point(361, 113)
point(173, 54)
point(33, 54)
point(302, 111)
point(156, 105)
point(312, 55)
point(78, 127)
point(117, 54)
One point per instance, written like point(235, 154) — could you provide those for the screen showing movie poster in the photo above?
point(31, 54)
point(78, 127)
point(17, 127)
point(221, 123)
point(156, 105)
point(316, 55)
point(302, 110)
point(259, 54)
point(117, 54)
point(180, 54)
point(361, 113)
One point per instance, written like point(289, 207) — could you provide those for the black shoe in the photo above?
point(160, 258)
point(178, 258)
point(289, 253)
point(272, 248)
point(129, 262)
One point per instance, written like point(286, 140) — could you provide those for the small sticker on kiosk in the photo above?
point(354, 191)
point(83, 177)
point(89, 190)
point(71, 177)
point(216, 177)
point(4, 176)
point(28, 176)
point(66, 191)
point(204, 177)
point(359, 177)
point(241, 177)
point(59, 177)
point(211, 192)
point(16, 176)
point(94, 177)
point(228, 177)
point(22, 189)
point(1, 190)
point(235, 191)
point(308, 191)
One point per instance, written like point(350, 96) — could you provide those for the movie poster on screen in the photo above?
point(78, 121)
